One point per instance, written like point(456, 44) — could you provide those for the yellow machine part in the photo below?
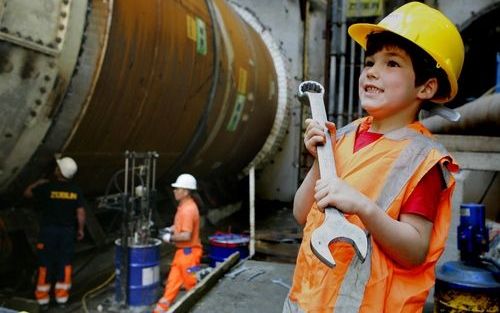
point(457, 301)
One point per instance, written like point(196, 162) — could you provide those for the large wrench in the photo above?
point(335, 227)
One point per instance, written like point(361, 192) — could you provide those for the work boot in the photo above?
point(162, 306)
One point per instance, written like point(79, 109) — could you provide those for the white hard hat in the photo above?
point(185, 181)
point(67, 166)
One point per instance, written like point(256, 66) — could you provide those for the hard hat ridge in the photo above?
point(67, 167)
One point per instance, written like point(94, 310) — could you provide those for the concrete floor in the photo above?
point(251, 291)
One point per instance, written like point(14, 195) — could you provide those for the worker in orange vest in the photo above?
point(62, 207)
point(394, 178)
point(185, 234)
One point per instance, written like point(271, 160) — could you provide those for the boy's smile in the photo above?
point(387, 84)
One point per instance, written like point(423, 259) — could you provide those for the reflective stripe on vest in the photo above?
point(291, 307)
point(352, 290)
point(345, 130)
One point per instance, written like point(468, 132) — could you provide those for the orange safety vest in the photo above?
point(386, 171)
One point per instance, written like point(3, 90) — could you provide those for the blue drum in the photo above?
point(143, 272)
point(222, 245)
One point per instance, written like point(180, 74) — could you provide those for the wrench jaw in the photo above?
point(311, 87)
point(335, 228)
point(320, 249)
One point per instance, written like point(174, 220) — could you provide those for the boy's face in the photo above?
point(387, 83)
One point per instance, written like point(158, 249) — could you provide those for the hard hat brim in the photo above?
point(359, 33)
point(181, 186)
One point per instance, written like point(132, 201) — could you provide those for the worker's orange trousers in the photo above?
point(181, 274)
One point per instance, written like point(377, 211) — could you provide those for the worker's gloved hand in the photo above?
point(165, 230)
point(167, 237)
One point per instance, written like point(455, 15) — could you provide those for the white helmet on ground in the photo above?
point(185, 181)
point(67, 166)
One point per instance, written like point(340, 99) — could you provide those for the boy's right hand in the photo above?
point(315, 135)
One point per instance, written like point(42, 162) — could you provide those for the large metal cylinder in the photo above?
point(479, 117)
point(197, 81)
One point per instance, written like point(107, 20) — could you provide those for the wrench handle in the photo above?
point(326, 158)
point(314, 92)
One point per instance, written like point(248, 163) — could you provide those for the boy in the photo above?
point(185, 234)
point(394, 180)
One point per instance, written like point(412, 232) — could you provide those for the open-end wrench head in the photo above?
point(310, 86)
point(335, 228)
point(320, 248)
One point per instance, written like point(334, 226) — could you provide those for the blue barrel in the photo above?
point(143, 273)
point(223, 245)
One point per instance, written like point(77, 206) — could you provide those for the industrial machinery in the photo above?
point(200, 82)
point(137, 252)
point(473, 283)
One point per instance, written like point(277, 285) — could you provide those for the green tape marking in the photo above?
point(239, 105)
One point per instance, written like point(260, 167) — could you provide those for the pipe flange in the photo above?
point(281, 119)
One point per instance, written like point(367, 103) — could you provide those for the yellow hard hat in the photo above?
point(427, 28)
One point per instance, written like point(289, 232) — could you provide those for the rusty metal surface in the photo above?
point(85, 75)
point(32, 82)
point(154, 88)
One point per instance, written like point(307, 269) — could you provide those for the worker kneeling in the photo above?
point(185, 235)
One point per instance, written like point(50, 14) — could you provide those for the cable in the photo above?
point(488, 187)
point(92, 291)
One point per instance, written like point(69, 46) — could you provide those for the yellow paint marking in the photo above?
point(191, 27)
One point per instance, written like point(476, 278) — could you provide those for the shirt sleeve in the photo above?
point(40, 190)
point(80, 200)
point(424, 199)
point(186, 221)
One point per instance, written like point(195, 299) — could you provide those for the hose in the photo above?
point(488, 187)
point(95, 291)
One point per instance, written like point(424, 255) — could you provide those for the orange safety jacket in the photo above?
point(386, 171)
point(187, 218)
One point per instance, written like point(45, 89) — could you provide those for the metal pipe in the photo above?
point(333, 87)
point(343, 40)
point(362, 64)
point(352, 83)
point(251, 178)
point(479, 117)
point(305, 43)
point(335, 33)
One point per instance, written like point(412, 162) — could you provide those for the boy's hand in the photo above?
point(337, 193)
point(315, 135)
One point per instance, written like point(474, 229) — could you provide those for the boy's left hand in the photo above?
point(337, 193)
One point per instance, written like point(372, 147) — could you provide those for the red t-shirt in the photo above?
point(424, 199)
